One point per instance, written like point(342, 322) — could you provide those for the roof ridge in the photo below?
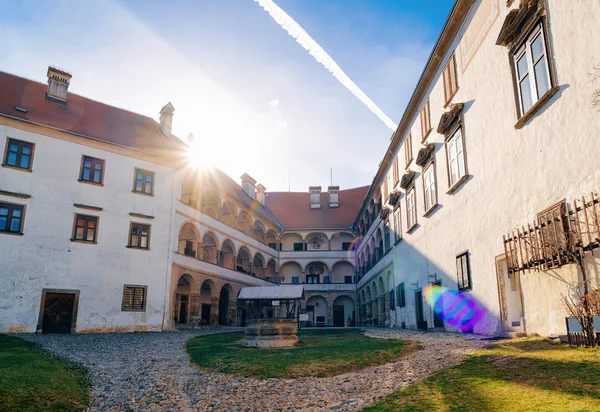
point(89, 99)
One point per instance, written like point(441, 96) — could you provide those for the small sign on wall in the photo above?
point(275, 303)
point(304, 317)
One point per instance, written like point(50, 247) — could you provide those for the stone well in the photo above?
point(271, 333)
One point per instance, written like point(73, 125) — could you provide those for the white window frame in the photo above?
point(430, 187)
point(525, 50)
point(411, 209)
point(456, 157)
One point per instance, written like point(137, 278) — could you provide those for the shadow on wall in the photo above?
point(420, 295)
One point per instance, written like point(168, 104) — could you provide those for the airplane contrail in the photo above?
point(314, 49)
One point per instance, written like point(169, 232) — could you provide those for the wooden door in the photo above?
point(58, 312)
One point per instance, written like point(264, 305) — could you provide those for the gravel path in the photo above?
point(150, 371)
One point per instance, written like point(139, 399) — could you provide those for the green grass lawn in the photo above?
point(531, 374)
point(319, 353)
point(32, 380)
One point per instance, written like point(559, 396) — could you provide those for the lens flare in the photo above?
point(457, 309)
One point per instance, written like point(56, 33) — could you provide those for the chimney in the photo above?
point(260, 193)
point(315, 197)
point(334, 200)
point(166, 119)
point(58, 84)
point(248, 185)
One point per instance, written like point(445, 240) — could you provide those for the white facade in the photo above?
point(44, 257)
point(514, 169)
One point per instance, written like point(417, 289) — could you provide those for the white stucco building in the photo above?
point(499, 128)
point(105, 226)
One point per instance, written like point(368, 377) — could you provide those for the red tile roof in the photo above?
point(85, 117)
point(292, 209)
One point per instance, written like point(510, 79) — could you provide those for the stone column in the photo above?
point(214, 310)
point(381, 309)
point(194, 304)
point(232, 306)
point(330, 314)
point(386, 308)
point(374, 310)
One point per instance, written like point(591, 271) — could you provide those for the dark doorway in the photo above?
point(59, 311)
point(338, 315)
point(206, 313)
point(438, 321)
point(182, 310)
point(421, 323)
point(223, 306)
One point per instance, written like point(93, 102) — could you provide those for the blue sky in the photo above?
point(255, 100)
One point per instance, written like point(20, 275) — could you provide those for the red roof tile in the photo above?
point(85, 117)
point(292, 209)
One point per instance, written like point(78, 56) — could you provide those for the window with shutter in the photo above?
point(395, 172)
point(385, 190)
point(450, 80)
point(425, 121)
point(134, 298)
point(408, 149)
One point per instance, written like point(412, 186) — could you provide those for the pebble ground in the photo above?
point(151, 372)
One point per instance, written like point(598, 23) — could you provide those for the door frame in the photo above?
point(43, 305)
point(502, 298)
point(419, 309)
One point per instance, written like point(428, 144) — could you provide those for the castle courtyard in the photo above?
point(151, 371)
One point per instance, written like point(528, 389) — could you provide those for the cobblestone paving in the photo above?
point(151, 372)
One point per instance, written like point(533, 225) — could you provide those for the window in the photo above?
point(134, 298)
point(312, 278)
point(429, 187)
point(386, 237)
point(326, 279)
point(144, 182)
point(295, 280)
point(385, 189)
point(400, 295)
point(425, 121)
point(18, 154)
point(92, 170)
point(408, 149)
point(392, 300)
point(273, 246)
point(11, 218)
point(346, 245)
point(395, 172)
point(189, 249)
point(397, 224)
point(347, 279)
point(463, 271)
point(411, 209)
point(450, 79)
point(298, 247)
point(139, 236)
point(85, 228)
point(531, 69)
point(456, 157)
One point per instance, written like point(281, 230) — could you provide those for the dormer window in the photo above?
point(315, 197)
